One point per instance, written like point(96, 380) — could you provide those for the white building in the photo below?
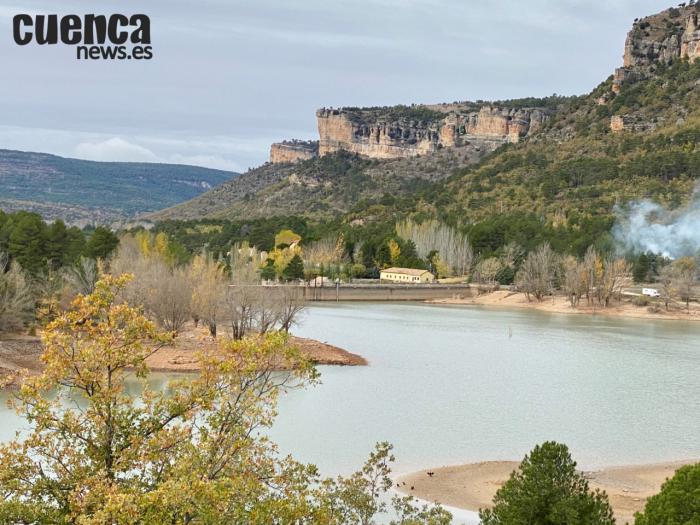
point(406, 276)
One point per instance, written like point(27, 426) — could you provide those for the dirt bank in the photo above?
point(561, 305)
point(182, 356)
point(473, 486)
point(21, 352)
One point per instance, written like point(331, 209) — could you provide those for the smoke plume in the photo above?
point(646, 226)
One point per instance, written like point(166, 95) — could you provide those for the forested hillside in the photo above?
point(41, 248)
point(574, 175)
point(561, 186)
point(75, 190)
point(319, 188)
point(633, 137)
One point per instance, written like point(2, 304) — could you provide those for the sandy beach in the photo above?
point(559, 304)
point(473, 486)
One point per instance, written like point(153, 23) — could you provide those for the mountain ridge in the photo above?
point(586, 151)
point(78, 190)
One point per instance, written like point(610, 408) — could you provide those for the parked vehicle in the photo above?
point(651, 292)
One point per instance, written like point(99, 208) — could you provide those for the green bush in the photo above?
point(506, 275)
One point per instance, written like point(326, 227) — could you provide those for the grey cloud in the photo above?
point(252, 72)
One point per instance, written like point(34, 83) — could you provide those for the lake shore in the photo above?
point(473, 486)
point(560, 305)
point(182, 356)
point(22, 353)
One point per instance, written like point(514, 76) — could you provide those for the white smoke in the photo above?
point(646, 226)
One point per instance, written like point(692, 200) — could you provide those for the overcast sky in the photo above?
point(229, 77)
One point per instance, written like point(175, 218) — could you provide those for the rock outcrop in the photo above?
point(659, 40)
point(293, 151)
point(620, 123)
point(381, 134)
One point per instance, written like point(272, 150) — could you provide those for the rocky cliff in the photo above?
point(401, 131)
point(659, 40)
point(573, 173)
point(293, 151)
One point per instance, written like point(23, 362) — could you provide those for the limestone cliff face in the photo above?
point(291, 151)
point(339, 130)
point(620, 123)
point(376, 136)
point(659, 40)
point(690, 41)
point(508, 124)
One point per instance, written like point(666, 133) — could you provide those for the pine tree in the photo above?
point(294, 270)
point(75, 245)
point(678, 501)
point(640, 270)
point(27, 242)
point(56, 241)
point(548, 490)
point(268, 272)
point(102, 243)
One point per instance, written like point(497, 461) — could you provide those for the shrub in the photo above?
point(640, 300)
point(654, 309)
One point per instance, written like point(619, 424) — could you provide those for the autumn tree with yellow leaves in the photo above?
point(193, 453)
point(209, 285)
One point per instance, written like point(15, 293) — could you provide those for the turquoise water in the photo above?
point(451, 385)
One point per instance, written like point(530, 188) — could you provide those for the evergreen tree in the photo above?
point(382, 257)
point(294, 270)
point(409, 258)
point(27, 242)
point(656, 263)
point(640, 269)
point(506, 275)
point(4, 231)
point(56, 244)
point(75, 245)
point(268, 272)
point(102, 243)
point(677, 503)
point(368, 252)
point(548, 490)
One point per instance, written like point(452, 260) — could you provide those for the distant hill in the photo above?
point(322, 187)
point(81, 190)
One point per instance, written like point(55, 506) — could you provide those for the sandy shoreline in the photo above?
point(23, 353)
point(560, 305)
point(472, 487)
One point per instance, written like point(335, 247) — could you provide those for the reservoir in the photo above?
point(450, 385)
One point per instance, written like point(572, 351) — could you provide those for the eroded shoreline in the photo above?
point(22, 354)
